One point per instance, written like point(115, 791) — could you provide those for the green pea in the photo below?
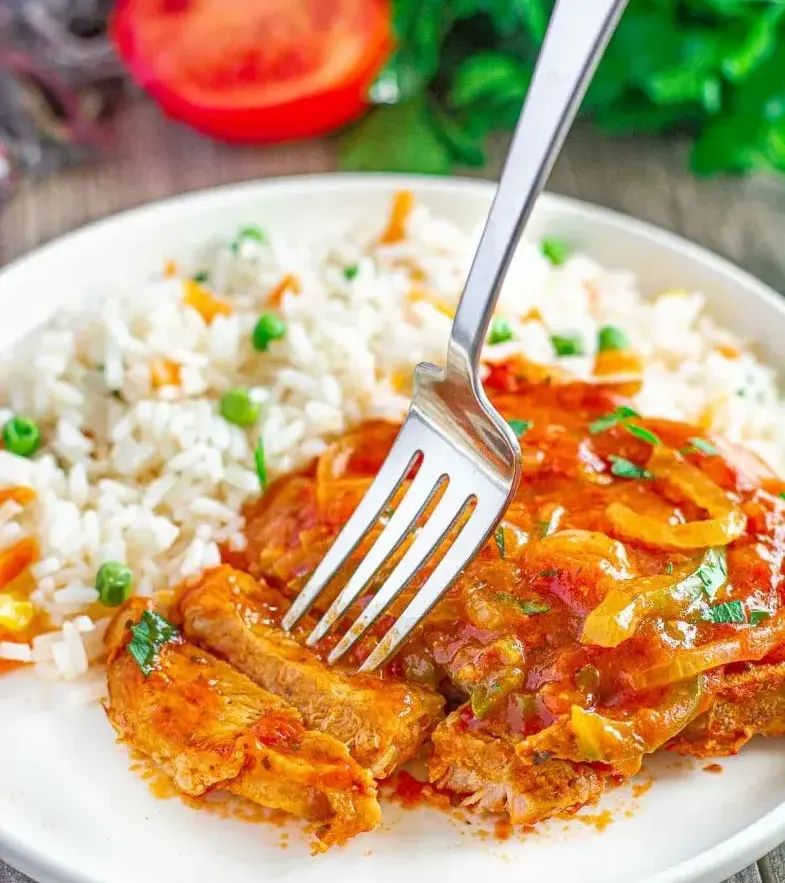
point(113, 583)
point(269, 328)
point(21, 436)
point(612, 338)
point(555, 250)
point(500, 331)
point(567, 344)
point(351, 271)
point(239, 408)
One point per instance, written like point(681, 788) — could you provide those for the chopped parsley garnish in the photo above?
point(498, 536)
point(712, 573)
point(500, 331)
point(149, 635)
point(623, 468)
point(611, 338)
point(728, 611)
point(531, 608)
point(523, 605)
point(782, 495)
point(669, 568)
point(201, 276)
point(621, 417)
point(520, 426)
point(555, 250)
point(251, 233)
point(544, 527)
point(642, 433)
point(567, 344)
point(261, 466)
point(552, 571)
point(758, 616)
point(351, 271)
point(703, 447)
point(601, 424)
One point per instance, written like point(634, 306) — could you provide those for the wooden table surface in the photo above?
point(743, 220)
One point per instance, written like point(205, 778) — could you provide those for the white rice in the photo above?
point(156, 478)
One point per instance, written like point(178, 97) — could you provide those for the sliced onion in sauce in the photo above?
point(750, 644)
point(621, 742)
point(620, 613)
point(726, 524)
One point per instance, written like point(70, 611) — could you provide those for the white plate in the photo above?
point(70, 810)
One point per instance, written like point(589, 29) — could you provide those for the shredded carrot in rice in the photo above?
point(170, 269)
point(594, 298)
point(402, 206)
point(415, 271)
point(289, 282)
point(21, 495)
point(204, 302)
point(164, 373)
point(401, 381)
point(728, 350)
point(19, 621)
point(16, 559)
point(617, 363)
point(706, 417)
point(418, 294)
point(15, 614)
point(533, 315)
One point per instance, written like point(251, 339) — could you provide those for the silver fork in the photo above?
point(464, 448)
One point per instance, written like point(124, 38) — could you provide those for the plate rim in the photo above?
point(739, 850)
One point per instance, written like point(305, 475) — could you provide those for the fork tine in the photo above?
point(388, 479)
point(431, 535)
point(422, 490)
point(445, 572)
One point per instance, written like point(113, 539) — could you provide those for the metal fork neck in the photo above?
point(576, 37)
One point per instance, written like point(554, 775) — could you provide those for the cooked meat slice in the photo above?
point(208, 727)
point(492, 778)
point(747, 704)
point(383, 722)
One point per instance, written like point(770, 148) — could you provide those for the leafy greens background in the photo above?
point(714, 69)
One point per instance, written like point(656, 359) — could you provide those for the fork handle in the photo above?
point(577, 34)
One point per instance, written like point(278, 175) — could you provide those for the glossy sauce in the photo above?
point(508, 633)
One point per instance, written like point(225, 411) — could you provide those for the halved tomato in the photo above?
point(255, 71)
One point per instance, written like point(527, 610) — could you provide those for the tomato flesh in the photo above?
point(257, 71)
